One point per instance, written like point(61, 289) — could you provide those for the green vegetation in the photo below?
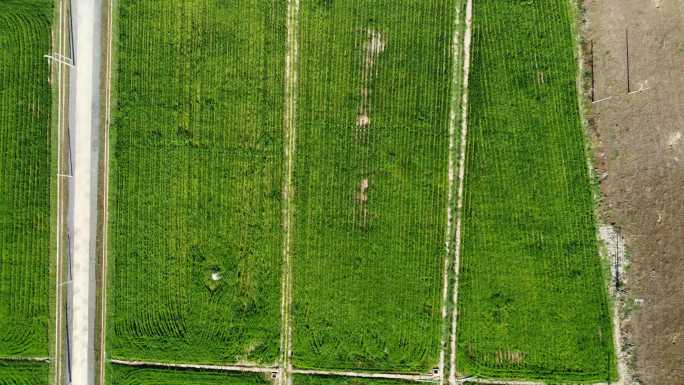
point(320, 380)
point(196, 175)
point(371, 183)
point(532, 297)
point(124, 375)
point(25, 108)
point(23, 373)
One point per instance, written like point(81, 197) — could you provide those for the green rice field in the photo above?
point(23, 373)
point(370, 177)
point(25, 211)
point(122, 375)
point(196, 177)
point(324, 380)
point(532, 302)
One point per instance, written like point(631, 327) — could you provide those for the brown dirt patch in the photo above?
point(639, 153)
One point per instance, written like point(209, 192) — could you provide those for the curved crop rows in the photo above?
point(19, 373)
point(24, 178)
point(532, 295)
point(121, 375)
point(196, 174)
point(371, 183)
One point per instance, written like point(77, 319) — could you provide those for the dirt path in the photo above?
point(274, 370)
point(290, 128)
point(456, 45)
point(26, 359)
point(467, 39)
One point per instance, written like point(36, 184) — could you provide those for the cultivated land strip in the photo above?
point(105, 194)
point(227, 368)
point(38, 34)
point(461, 177)
point(290, 129)
point(388, 376)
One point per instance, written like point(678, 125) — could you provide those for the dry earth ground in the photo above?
point(639, 151)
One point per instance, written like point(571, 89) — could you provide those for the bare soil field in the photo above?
point(639, 152)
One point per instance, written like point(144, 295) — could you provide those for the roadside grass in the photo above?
point(533, 301)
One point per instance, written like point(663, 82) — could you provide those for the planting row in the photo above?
point(25, 109)
point(532, 298)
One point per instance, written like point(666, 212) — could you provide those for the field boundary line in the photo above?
point(492, 381)
point(225, 368)
point(467, 39)
point(105, 196)
point(455, 51)
point(25, 359)
point(290, 130)
point(277, 369)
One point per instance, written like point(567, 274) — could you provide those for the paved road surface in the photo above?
point(84, 130)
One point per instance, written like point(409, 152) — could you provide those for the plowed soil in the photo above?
point(639, 150)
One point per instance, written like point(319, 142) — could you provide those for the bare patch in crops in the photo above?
point(509, 357)
point(372, 49)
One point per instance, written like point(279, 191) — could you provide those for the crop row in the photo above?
point(532, 300)
point(24, 178)
point(196, 175)
point(371, 183)
point(23, 373)
point(122, 375)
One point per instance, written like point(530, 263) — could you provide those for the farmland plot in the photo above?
point(24, 373)
point(532, 296)
point(25, 104)
point(371, 183)
point(196, 176)
point(320, 380)
point(123, 375)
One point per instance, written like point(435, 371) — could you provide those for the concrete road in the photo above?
point(84, 143)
